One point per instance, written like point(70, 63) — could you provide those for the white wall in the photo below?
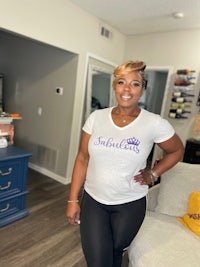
point(178, 49)
point(62, 24)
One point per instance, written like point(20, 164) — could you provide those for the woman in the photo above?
point(111, 163)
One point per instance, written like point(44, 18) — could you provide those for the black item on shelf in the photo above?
point(198, 100)
point(192, 151)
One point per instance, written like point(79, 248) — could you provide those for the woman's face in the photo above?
point(129, 89)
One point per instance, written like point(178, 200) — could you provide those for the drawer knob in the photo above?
point(6, 208)
point(6, 173)
point(5, 187)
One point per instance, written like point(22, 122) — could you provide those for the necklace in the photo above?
point(128, 118)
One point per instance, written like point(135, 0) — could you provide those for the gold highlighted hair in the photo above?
point(127, 67)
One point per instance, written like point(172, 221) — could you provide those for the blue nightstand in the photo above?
point(13, 184)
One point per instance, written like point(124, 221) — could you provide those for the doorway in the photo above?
point(154, 99)
point(33, 71)
point(99, 91)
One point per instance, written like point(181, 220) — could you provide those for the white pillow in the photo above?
point(175, 188)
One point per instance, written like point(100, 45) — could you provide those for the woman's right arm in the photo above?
point(78, 178)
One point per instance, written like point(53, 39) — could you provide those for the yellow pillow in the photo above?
point(191, 220)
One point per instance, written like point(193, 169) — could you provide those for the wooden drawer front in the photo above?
point(12, 209)
point(11, 205)
point(11, 180)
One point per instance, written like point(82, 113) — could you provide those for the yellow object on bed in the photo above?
point(191, 220)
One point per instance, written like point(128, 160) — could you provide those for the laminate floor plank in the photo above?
point(44, 238)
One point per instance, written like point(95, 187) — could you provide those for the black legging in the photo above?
point(107, 230)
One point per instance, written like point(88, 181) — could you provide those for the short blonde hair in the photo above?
point(127, 67)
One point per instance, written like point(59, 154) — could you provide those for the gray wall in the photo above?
point(32, 72)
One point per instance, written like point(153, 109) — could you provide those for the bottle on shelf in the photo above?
point(179, 111)
point(189, 77)
point(185, 76)
point(181, 100)
point(184, 71)
point(176, 116)
point(183, 88)
point(180, 105)
point(181, 94)
point(181, 82)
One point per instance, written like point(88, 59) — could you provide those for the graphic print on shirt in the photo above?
point(130, 144)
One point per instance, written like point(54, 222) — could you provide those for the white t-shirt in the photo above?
point(117, 154)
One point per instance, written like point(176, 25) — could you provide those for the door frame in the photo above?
point(157, 152)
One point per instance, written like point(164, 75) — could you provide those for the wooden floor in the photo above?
point(44, 238)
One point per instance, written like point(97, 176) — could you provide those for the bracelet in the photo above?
point(154, 174)
point(73, 201)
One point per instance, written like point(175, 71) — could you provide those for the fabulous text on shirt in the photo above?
point(125, 144)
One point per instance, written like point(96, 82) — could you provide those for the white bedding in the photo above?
point(163, 237)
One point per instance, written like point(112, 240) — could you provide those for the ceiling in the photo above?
point(132, 17)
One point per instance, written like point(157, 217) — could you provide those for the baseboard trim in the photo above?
point(50, 174)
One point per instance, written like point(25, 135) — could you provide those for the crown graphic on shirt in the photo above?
point(133, 141)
